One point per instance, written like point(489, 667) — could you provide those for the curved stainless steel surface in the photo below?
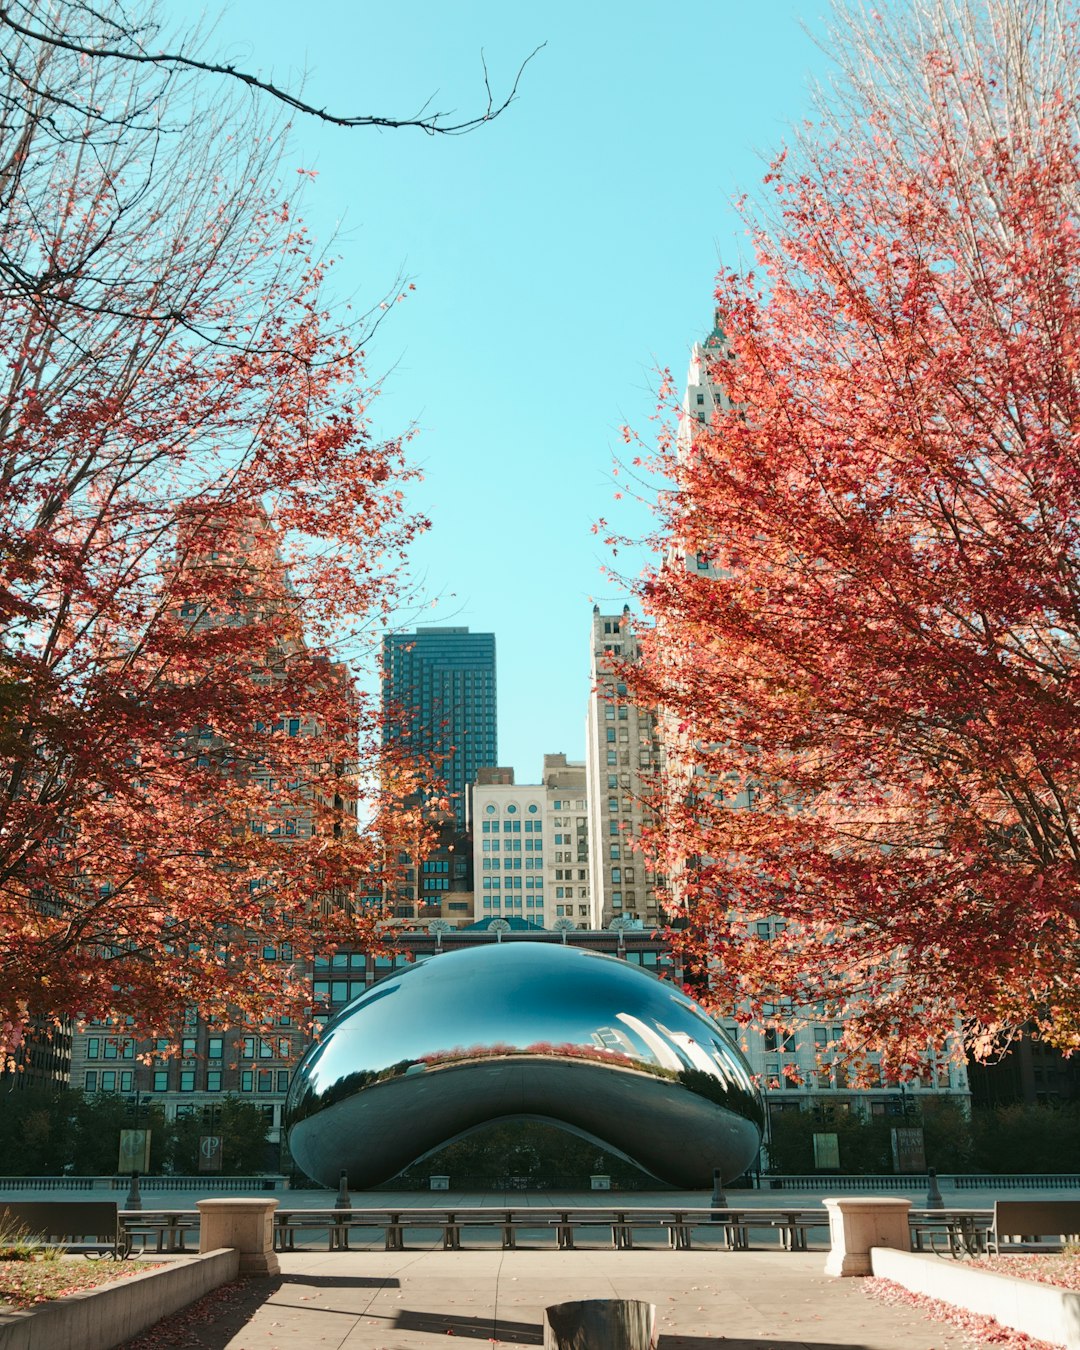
point(531, 1029)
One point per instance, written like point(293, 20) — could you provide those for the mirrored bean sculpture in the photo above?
point(523, 1029)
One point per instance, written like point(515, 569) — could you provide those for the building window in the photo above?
point(161, 1080)
point(266, 1080)
point(108, 1081)
point(613, 852)
point(214, 1047)
point(187, 1080)
point(213, 1080)
point(90, 1082)
point(247, 1081)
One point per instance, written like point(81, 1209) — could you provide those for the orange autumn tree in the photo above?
point(196, 526)
point(885, 650)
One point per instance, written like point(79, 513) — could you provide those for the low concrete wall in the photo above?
point(99, 1319)
point(1040, 1310)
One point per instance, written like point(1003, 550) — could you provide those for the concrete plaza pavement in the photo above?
point(416, 1300)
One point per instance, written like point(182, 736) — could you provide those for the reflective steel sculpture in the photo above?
point(523, 1029)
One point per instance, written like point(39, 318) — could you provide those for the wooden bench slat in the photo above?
point(76, 1225)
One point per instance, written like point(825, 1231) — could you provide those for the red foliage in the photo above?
point(978, 1328)
point(195, 520)
point(886, 649)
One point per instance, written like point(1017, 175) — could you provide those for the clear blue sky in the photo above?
point(560, 255)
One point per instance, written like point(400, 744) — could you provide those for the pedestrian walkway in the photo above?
point(417, 1300)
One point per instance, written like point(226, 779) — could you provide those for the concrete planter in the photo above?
point(99, 1319)
point(1039, 1310)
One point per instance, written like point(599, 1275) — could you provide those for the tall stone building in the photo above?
point(530, 845)
point(623, 762)
point(214, 1060)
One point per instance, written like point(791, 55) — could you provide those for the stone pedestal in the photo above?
point(247, 1225)
point(857, 1225)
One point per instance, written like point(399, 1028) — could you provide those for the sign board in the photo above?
point(210, 1149)
point(827, 1152)
point(440, 1183)
point(134, 1151)
point(908, 1151)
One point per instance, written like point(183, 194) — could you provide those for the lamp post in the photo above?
point(134, 1197)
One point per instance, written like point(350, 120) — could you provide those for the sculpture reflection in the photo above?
point(523, 1029)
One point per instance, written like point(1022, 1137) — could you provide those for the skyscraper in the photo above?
point(622, 758)
point(439, 703)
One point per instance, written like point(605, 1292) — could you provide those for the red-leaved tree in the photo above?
point(885, 651)
point(195, 522)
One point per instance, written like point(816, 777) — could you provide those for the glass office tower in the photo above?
point(439, 700)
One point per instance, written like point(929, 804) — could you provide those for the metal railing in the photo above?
point(212, 1181)
point(55, 1183)
point(1016, 1181)
point(201, 1182)
point(814, 1181)
point(960, 1181)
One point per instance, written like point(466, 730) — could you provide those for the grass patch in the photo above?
point(24, 1283)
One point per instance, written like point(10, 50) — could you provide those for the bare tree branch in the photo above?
point(435, 124)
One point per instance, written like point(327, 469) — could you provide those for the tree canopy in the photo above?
point(196, 522)
point(883, 655)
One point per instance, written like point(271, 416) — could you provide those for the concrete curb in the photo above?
point(98, 1319)
point(1040, 1310)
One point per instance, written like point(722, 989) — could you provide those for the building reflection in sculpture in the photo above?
point(523, 1029)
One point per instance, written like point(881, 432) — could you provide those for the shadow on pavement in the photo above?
point(342, 1281)
point(478, 1328)
point(212, 1322)
point(677, 1342)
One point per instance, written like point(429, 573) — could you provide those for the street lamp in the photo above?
point(134, 1198)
